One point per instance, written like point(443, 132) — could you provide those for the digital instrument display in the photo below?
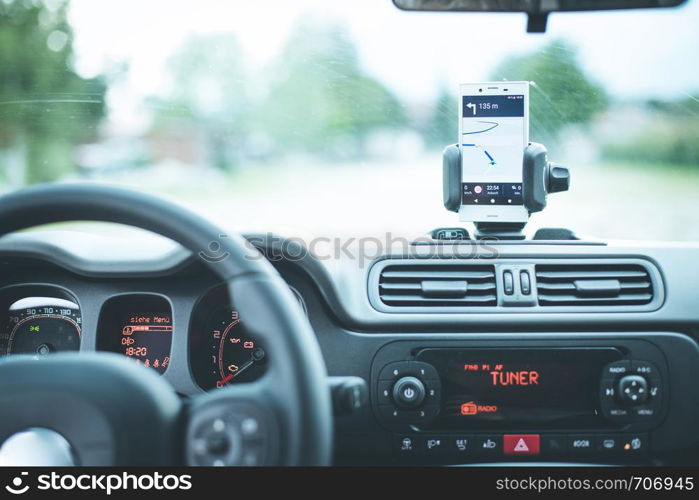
point(146, 337)
point(520, 386)
point(138, 326)
point(40, 326)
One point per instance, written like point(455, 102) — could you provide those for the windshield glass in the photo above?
point(317, 117)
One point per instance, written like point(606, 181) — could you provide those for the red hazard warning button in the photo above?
point(521, 444)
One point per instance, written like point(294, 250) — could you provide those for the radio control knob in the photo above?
point(408, 392)
point(633, 389)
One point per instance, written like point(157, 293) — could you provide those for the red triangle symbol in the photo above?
point(521, 445)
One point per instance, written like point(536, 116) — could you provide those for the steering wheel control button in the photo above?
point(408, 392)
point(633, 389)
point(521, 444)
point(229, 432)
point(215, 443)
point(250, 427)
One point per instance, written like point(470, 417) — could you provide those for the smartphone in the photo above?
point(493, 133)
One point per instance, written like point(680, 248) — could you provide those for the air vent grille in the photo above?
point(593, 285)
point(406, 285)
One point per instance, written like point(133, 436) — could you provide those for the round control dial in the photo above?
point(408, 392)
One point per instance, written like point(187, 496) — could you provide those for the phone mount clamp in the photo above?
point(539, 178)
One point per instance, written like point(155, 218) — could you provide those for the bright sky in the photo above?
point(636, 54)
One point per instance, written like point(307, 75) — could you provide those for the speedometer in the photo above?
point(41, 326)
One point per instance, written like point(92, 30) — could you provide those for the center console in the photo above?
point(459, 401)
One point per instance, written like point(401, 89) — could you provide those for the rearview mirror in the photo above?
point(537, 10)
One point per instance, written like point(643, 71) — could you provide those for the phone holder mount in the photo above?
point(539, 178)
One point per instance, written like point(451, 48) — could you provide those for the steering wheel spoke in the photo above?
point(233, 426)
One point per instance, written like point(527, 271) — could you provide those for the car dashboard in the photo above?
point(536, 351)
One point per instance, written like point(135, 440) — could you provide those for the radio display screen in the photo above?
point(495, 387)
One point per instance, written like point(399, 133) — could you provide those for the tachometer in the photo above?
point(41, 326)
point(222, 350)
point(235, 357)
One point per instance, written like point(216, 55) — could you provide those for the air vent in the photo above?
point(593, 285)
point(435, 285)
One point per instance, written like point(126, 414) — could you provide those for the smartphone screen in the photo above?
point(494, 130)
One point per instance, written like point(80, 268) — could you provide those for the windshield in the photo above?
point(317, 117)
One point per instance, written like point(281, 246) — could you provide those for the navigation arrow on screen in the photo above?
point(472, 106)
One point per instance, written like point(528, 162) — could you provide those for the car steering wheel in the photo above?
point(109, 411)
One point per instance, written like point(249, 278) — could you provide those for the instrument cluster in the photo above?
point(220, 351)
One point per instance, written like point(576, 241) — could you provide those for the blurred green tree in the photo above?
point(45, 107)
point(671, 137)
point(561, 94)
point(321, 100)
point(209, 93)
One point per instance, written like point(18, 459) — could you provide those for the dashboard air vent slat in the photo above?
point(593, 285)
point(406, 285)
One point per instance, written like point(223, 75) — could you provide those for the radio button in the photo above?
point(433, 391)
point(398, 369)
point(645, 411)
point(618, 414)
point(393, 415)
point(425, 371)
point(393, 371)
point(645, 369)
point(617, 369)
point(383, 393)
point(607, 391)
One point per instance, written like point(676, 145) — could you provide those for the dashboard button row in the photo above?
point(509, 445)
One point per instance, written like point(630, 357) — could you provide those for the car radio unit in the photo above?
point(520, 398)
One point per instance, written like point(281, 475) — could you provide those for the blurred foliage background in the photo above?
point(315, 102)
point(46, 107)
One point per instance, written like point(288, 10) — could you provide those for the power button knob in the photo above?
point(408, 392)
